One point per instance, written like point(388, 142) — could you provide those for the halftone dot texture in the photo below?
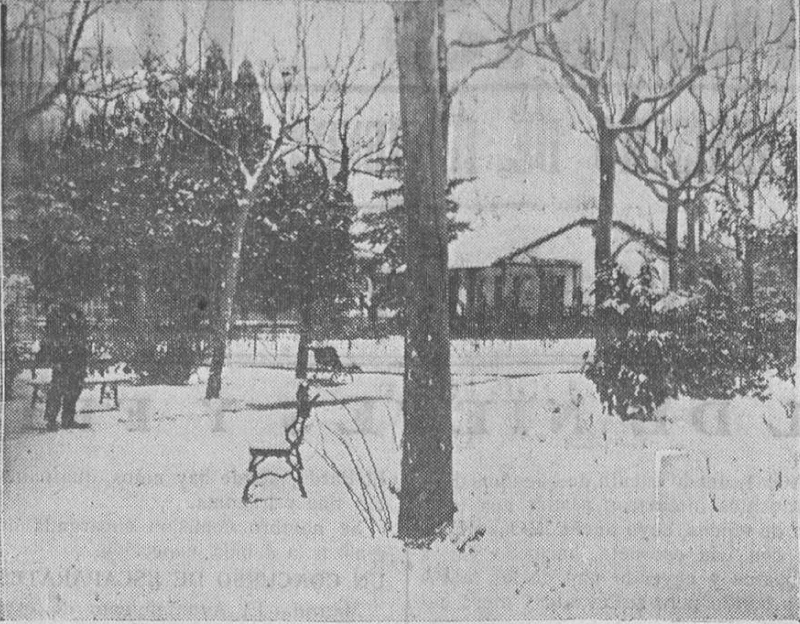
point(564, 512)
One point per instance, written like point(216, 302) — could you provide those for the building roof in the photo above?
point(499, 230)
point(504, 233)
point(649, 240)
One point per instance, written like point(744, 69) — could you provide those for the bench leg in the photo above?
point(253, 470)
point(102, 392)
point(116, 395)
point(246, 493)
point(295, 462)
point(297, 475)
point(35, 396)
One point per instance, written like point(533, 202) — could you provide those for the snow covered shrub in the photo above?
point(635, 375)
point(708, 346)
point(171, 361)
point(170, 357)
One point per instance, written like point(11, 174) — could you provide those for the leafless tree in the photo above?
point(683, 153)
point(317, 122)
point(599, 59)
point(336, 137)
point(43, 55)
point(753, 140)
point(354, 88)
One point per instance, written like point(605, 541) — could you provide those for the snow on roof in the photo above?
point(630, 232)
point(503, 231)
point(500, 230)
point(507, 218)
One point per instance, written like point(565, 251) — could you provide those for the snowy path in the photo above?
point(584, 516)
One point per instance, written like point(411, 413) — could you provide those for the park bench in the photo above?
point(290, 455)
point(108, 381)
point(328, 366)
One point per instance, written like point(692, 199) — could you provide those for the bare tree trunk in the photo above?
point(426, 496)
point(444, 87)
point(222, 322)
point(605, 218)
point(673, 211)
point(692, 208)
point(301, 363)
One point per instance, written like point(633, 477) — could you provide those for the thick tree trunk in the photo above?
point(301, 363)
point(444, 86)
point(222, 322)
point(692, 208)
point(673, 211)
point(605, 217)
point(426, 496)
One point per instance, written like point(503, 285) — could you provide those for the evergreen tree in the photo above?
point(308, 264)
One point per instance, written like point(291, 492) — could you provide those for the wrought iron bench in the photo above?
point(290, 455)
point(109, 383)
point(327, 362)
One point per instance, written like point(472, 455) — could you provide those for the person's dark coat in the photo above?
point(66, 337)
point(66, 348)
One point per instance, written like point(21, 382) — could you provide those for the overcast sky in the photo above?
point(509, 127)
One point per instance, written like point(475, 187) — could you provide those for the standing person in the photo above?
point(65, 346)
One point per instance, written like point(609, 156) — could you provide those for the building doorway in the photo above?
point(551, 297)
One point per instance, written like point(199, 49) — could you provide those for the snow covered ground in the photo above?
point(468, 357)
point(583, 516)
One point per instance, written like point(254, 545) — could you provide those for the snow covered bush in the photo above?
point(707, 346)
point(635, 375)
point(170, 362)
point(170, 358)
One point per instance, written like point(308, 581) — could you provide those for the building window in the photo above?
point(453, 293)
point(551, 295)
point(480, 293)
point(472, 284)
point(498, 291)
point(516, 290)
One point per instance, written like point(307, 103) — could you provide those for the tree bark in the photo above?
point(426, 496)
point(444, 86)
point(605, 218)
point(222, 322)
point(301, 363)
point(692, 208)
point(673, 211)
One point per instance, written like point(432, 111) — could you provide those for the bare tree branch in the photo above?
point(66, 65)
